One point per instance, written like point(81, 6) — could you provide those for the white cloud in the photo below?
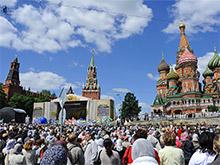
point(151, 76)
point(121, 90)
point(8, 3)
point(107, 97)
point(145, 107)
point(38, 81)
point(199, 16)
point(62, 24)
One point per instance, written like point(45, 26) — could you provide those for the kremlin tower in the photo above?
point(92, 89)
point(179, 90)
point(12, 82)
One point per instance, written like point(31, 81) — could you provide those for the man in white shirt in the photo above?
point(90, 149)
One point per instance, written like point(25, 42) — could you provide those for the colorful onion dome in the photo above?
point(163, 66)
point(187, 56)
point(207, 72)
point(215, 61)
point(172, 75)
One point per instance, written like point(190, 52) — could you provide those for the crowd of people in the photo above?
point(22, 144)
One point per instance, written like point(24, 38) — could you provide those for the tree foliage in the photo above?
point(44, 96)
point(3, 101)
point(130, 108)
point(212, 108)
point(22, 102)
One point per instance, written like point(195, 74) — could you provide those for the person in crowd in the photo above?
point(187, 146)
point(15, 157)
point(108, 156)
point(205, 155)
point(127, 158)
point(154, 141)
point(55, 155)
point(9, 146)
point(90, 149)
point(2, 144)
point(39, 148)
point(195, 141)
point(216, 148)
point(119, 147)
point(170, 154)
point(99, 142)
point(76, 156)
point(143, 153)
point(29, 152)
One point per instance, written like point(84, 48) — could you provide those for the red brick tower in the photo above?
point(12, 82)
point(92, 89)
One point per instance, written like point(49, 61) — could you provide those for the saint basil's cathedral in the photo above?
point(179, 91)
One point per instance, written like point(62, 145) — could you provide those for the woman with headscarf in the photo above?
point(109, 156)
point(205, 155)
point(143, 153)
point(15, 157)
point(9, 145)
point(55, 155)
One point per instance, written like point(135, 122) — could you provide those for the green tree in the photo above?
point(3, 101)
point(44, 96)
point(212, 108)
point(130, 108)
point(22, 102)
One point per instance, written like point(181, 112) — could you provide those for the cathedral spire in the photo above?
point(183, 40)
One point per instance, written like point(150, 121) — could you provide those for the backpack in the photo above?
point(69, 155)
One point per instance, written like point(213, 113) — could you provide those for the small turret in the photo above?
point(163, 66)
point(172, 75)
point(215, 61)
point(207, 72)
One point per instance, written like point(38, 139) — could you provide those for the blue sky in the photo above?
point(53, 40)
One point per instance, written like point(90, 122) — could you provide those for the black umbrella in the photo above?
point(9, 114)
